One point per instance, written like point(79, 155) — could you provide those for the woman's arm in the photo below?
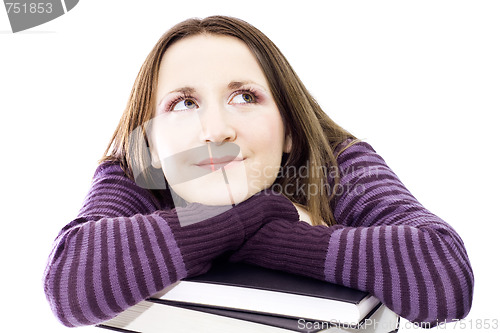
point(385, 242)
point(122, 249)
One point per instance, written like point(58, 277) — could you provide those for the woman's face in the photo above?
point(217, 134)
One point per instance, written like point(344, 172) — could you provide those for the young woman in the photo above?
point(222, 151)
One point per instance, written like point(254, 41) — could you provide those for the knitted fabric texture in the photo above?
point(385, 243)
point(124, 247)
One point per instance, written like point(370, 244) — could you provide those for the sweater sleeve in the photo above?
point(385, 243)
point(122, 248)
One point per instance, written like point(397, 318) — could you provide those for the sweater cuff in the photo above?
point(292, 247)
point(264, 207)
point(202, 235)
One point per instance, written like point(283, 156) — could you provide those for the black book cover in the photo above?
point(250, 276)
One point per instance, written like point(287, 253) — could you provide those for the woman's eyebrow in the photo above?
point(231, 85)
point(184, 90)
point(239, 84)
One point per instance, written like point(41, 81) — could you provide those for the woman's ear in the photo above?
point(287, 145)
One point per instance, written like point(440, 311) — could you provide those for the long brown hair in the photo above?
point(314, 135)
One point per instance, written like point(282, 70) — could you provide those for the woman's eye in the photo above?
point(185, 104)
point(243, 98)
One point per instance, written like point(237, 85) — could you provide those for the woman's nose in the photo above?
point(216, 125)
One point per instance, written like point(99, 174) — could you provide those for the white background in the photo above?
point(418, 80)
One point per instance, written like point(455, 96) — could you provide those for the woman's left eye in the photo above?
point(243, 98)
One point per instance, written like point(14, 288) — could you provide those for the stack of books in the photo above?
point(236, 297)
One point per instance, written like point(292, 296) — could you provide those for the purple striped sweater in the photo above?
point(124, 246)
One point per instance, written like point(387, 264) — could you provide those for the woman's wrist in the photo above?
point(277, 206)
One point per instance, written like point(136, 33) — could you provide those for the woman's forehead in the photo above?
point(208, 59)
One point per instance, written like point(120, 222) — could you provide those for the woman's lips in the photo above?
point(217, 163)
point(199, 161)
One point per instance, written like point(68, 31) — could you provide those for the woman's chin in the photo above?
point(221, 195)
